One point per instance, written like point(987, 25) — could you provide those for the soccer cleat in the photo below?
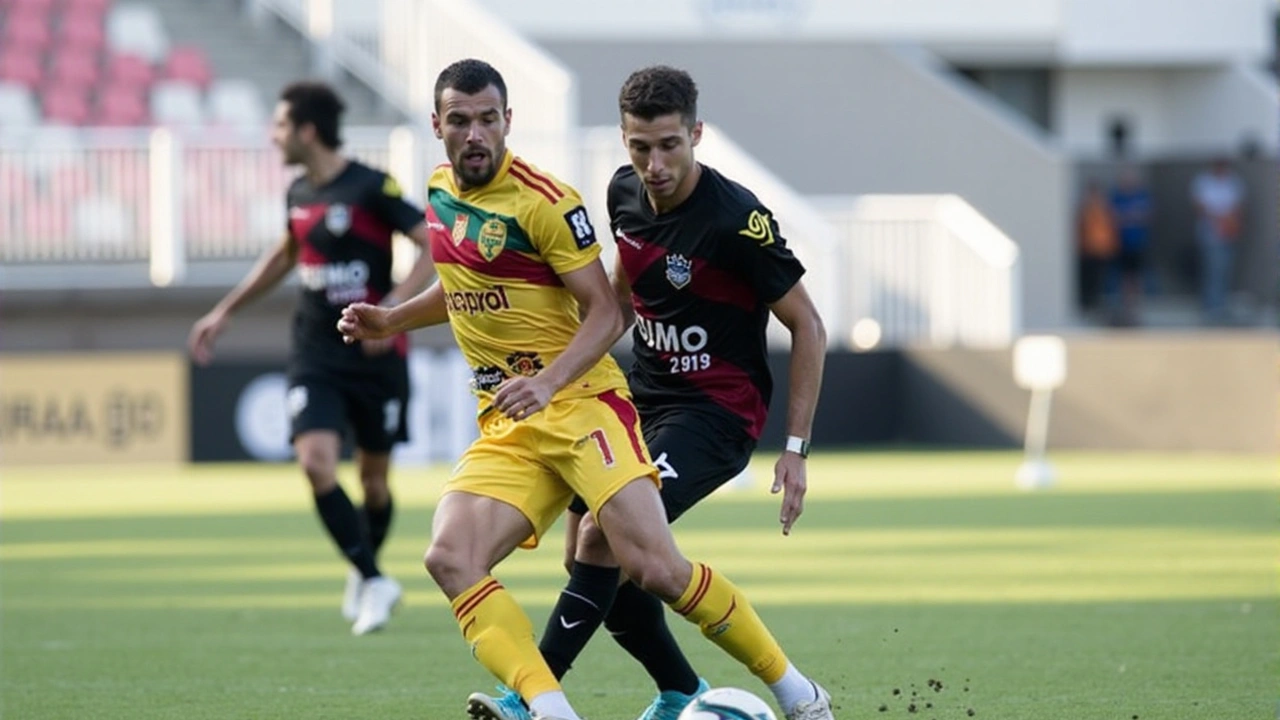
point(507, 706)
point(378, 597)
point(670, 703)
point(819, 709)
point(351, 596)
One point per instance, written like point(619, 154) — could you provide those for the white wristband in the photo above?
point(798, 445)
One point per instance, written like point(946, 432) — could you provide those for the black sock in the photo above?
point(637, 621)
point(378, 522)
point(577, 614)
point(343, 523)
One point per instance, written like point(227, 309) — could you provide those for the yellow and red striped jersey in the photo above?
point(500, 250)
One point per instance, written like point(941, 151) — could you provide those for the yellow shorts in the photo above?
point(588, 446)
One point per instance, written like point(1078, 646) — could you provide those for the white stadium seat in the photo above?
point(236, 103)
point(176, 104)
point(137, 30)
point(17, 107)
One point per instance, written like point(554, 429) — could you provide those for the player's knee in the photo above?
point(593, 546)
point(656, 575)
point(375, 487)
point(443, 564)
point(319, 469)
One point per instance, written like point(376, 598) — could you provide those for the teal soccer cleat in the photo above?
point(669, 703)
point(507, 706)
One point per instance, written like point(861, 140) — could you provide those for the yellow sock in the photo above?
point(728, 620)
point(501, 638)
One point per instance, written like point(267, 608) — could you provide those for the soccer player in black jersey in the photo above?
point(341, 216)
point(701, 266)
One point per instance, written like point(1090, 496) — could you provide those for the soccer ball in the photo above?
point(727, 704)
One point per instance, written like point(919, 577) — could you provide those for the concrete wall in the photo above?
point(1168, 111)
point(894, 123)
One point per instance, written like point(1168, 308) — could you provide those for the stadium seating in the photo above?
point(68, 66)
point(85, 62)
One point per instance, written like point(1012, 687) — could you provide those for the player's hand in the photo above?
point(789, 479)
point(362, 321)
point(520, 397)
point(203, 334)
point(374, 348)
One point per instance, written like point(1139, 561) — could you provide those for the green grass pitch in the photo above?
point(1141, 586)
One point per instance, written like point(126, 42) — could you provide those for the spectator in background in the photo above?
point(1218, 194)
point(1131, 203)
point(1098, 243)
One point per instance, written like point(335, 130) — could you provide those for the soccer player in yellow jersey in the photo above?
point(521, 283)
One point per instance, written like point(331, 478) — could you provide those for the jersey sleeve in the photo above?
point(388, 203)
point(563, 234)
point(762, 255)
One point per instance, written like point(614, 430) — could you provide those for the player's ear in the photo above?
point(435, 126)
point(506, 122)
point(696, 133)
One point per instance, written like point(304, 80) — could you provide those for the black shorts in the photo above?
point(373, 405)
point(696, 451)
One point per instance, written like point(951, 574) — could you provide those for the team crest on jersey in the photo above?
point(524, 363)
point(493, 236)
point(337, 219)
point(460, 228)
point(679, 270)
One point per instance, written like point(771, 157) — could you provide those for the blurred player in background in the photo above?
point(339, 234)
point(531, 307)
point(700, 267)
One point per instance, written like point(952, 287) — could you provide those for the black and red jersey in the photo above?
point(702, 278)
point(343, 231)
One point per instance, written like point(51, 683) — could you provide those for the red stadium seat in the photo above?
point(129, 70)
point(30, 5)
point(189, 64)
point(81, 32)
point(86, 8)
point(73, 67)
point(121, 105)
point(28, 31)
point(68, 106)
point(21, 66)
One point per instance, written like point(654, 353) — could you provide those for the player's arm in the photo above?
point(808, 352)
point(622, 291)
point(271, 268)
point(362, 321)
point(796, 311)
point(601, 327)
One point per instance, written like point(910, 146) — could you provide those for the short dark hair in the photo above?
point(659, 90)
point(470, 76)
point(315, 103)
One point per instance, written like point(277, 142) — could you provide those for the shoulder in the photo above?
point(363, 175)
point(298, 188)
point(735, 209)
point(730, 194)
point(624, 178)
point(541, 188)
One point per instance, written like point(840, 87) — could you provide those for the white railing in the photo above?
point(926, 269)
point(156, 198)
point(87, 209)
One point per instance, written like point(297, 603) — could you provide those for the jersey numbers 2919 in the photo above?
point(690, 363)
